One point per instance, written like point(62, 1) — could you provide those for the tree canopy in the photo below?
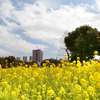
point(82, 42)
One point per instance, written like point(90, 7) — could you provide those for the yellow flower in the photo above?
point(97, 76)
point(19, 86)
point(17, 91)
point(51, 66)
point(47, 61)
point(66, 57)
point(91, 79)
point(62, 61)
point(0, 66)
point(98, 85)
point(83, 62)
point(35, 74)
point(57, 98)
point(74, 62)
point(66, 84)
point(22, 97)
point(26, 85)
point(65, 78)
point(62, 91)
point(8, 87)
point(34, 91)
point(83, 81)
point(85, 93)
point(77, 88)
point(43, 92)
point(39, 97)
point(38, 93)
point(6, 61)
point(50, 92)
point(4, 83)
point(99, 60)
point(95, 52)
point(86, 99)
point(45, 77)
point(26, 65)
point(78, 58)
point(39, 87)
point(34, 65)
point(44, 87)
point(5, 93)
point(30, 60)
point(91, 90)
point(13, 93)
point(75, 78)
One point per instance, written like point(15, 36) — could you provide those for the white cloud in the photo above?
point(5, 52)
point(97, 5)
point(15, 43)
point(42, 24)
point(6, 8)
point(48, 26)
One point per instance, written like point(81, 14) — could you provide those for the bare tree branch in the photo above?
point(64, 51)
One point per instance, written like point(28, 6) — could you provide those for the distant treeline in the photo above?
point(11, 61)
point(50, 61)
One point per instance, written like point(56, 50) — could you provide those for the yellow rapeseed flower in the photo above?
point(13, 93)
point(39, 87)
point(83, 81)
point(19, 86)
point(66, 57)
point(62, 91)
point(22, 97)
point(50, 92)
point(39, 97)
point(85, 93)
point(57, 98)
point(77, 88)
point(95, 52)
point(47, 61)
point(91, 90)
point(86, 99)
point(78, 58)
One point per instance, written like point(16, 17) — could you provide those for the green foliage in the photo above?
point(1, 61)
point(11, 61)
point(83, 42)
point(54, 61)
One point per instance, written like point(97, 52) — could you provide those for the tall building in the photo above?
point(18, 58)
point(37, 55)
point(31, 58)
point(25, 58)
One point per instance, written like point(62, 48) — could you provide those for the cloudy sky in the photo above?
point(39, 24)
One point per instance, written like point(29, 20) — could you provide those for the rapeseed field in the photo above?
point(67, 81)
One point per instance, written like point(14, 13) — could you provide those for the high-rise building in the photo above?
point(31, 58)
point(25, 58)
point(37, 55)
point(17, 58)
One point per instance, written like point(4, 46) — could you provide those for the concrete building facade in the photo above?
point(31, 58)
point(25, 58)
point(17, 58)
point(37, 55)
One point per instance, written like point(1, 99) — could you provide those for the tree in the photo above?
point(63, 49)
point(11, 59)
point(82, 42)
point(54, 61)
point(2, 61)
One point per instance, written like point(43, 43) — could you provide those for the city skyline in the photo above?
point(37, 55)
